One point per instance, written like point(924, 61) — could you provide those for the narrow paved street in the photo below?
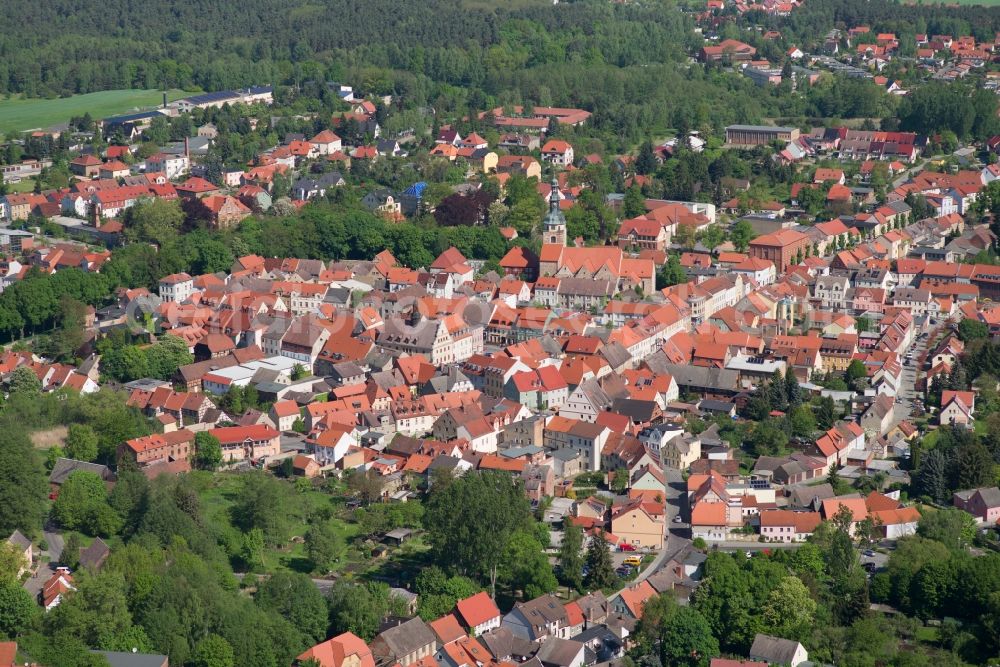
point(55, 542)
point(47, 560)
point(674, 494)
point(907, 387)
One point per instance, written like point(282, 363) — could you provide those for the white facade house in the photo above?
point(173, 166)
point(177, 287)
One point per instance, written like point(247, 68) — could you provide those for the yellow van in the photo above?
point(634, 561)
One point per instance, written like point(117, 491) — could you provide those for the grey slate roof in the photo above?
point(558, 652)
point(403, 639)
point(990, 496)
point(774, 650)
point(125, 659)
point(65, 467)
point(19, 540)
point(720, 379)
point(94, 556)
point(504, 644)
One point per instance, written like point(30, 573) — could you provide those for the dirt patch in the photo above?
point(49, 438)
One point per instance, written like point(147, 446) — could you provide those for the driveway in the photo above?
point(47, 560)
point(674, 493)
point(879, 559)
point(292, 442)
point(54, 539)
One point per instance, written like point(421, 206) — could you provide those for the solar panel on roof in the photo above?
point(211, 97)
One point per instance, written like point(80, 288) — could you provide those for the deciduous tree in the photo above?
point(789, 609)
point(213, 651)
point(24, 381)
point(22, 484)
point(296, 598)
point(323, 545)
point(81, 442)
point(208, 451)
point(471, 522)
point(18, 611)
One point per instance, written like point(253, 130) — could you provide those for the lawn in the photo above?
point(18, 114)
point(218, 492)
point(24, 185)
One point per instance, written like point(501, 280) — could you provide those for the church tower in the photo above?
point(554, 225)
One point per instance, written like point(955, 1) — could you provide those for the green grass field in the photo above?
point(25, 185)
point(18, 114)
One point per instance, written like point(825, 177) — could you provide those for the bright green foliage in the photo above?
point(969, 329)
point(323, 546)
point(81, 442)
point(676, 635)
point(24, 381)
point(12, 561)
point(789, 609)
point(295, 598)
point(526, 567)
point(18, 611)
point(471, 521)
point(213, 651)
point(360, 608)
point(260, 504)
point(208, 451)
point(83, 505)
point(438, 592)
point(70, 555)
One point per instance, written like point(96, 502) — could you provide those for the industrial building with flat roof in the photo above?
point(759, 135)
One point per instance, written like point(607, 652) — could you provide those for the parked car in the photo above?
point(626, 547)
point(635, 561)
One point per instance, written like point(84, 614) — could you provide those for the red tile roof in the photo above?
point(477, 609)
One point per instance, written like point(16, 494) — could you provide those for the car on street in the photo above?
point(626, 547)
point(677, 519)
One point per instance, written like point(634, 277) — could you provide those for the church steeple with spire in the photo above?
point(554, 225)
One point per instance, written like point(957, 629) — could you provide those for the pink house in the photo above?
point(983, 504)
point(869, 300)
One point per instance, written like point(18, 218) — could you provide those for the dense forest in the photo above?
point(624, 62)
